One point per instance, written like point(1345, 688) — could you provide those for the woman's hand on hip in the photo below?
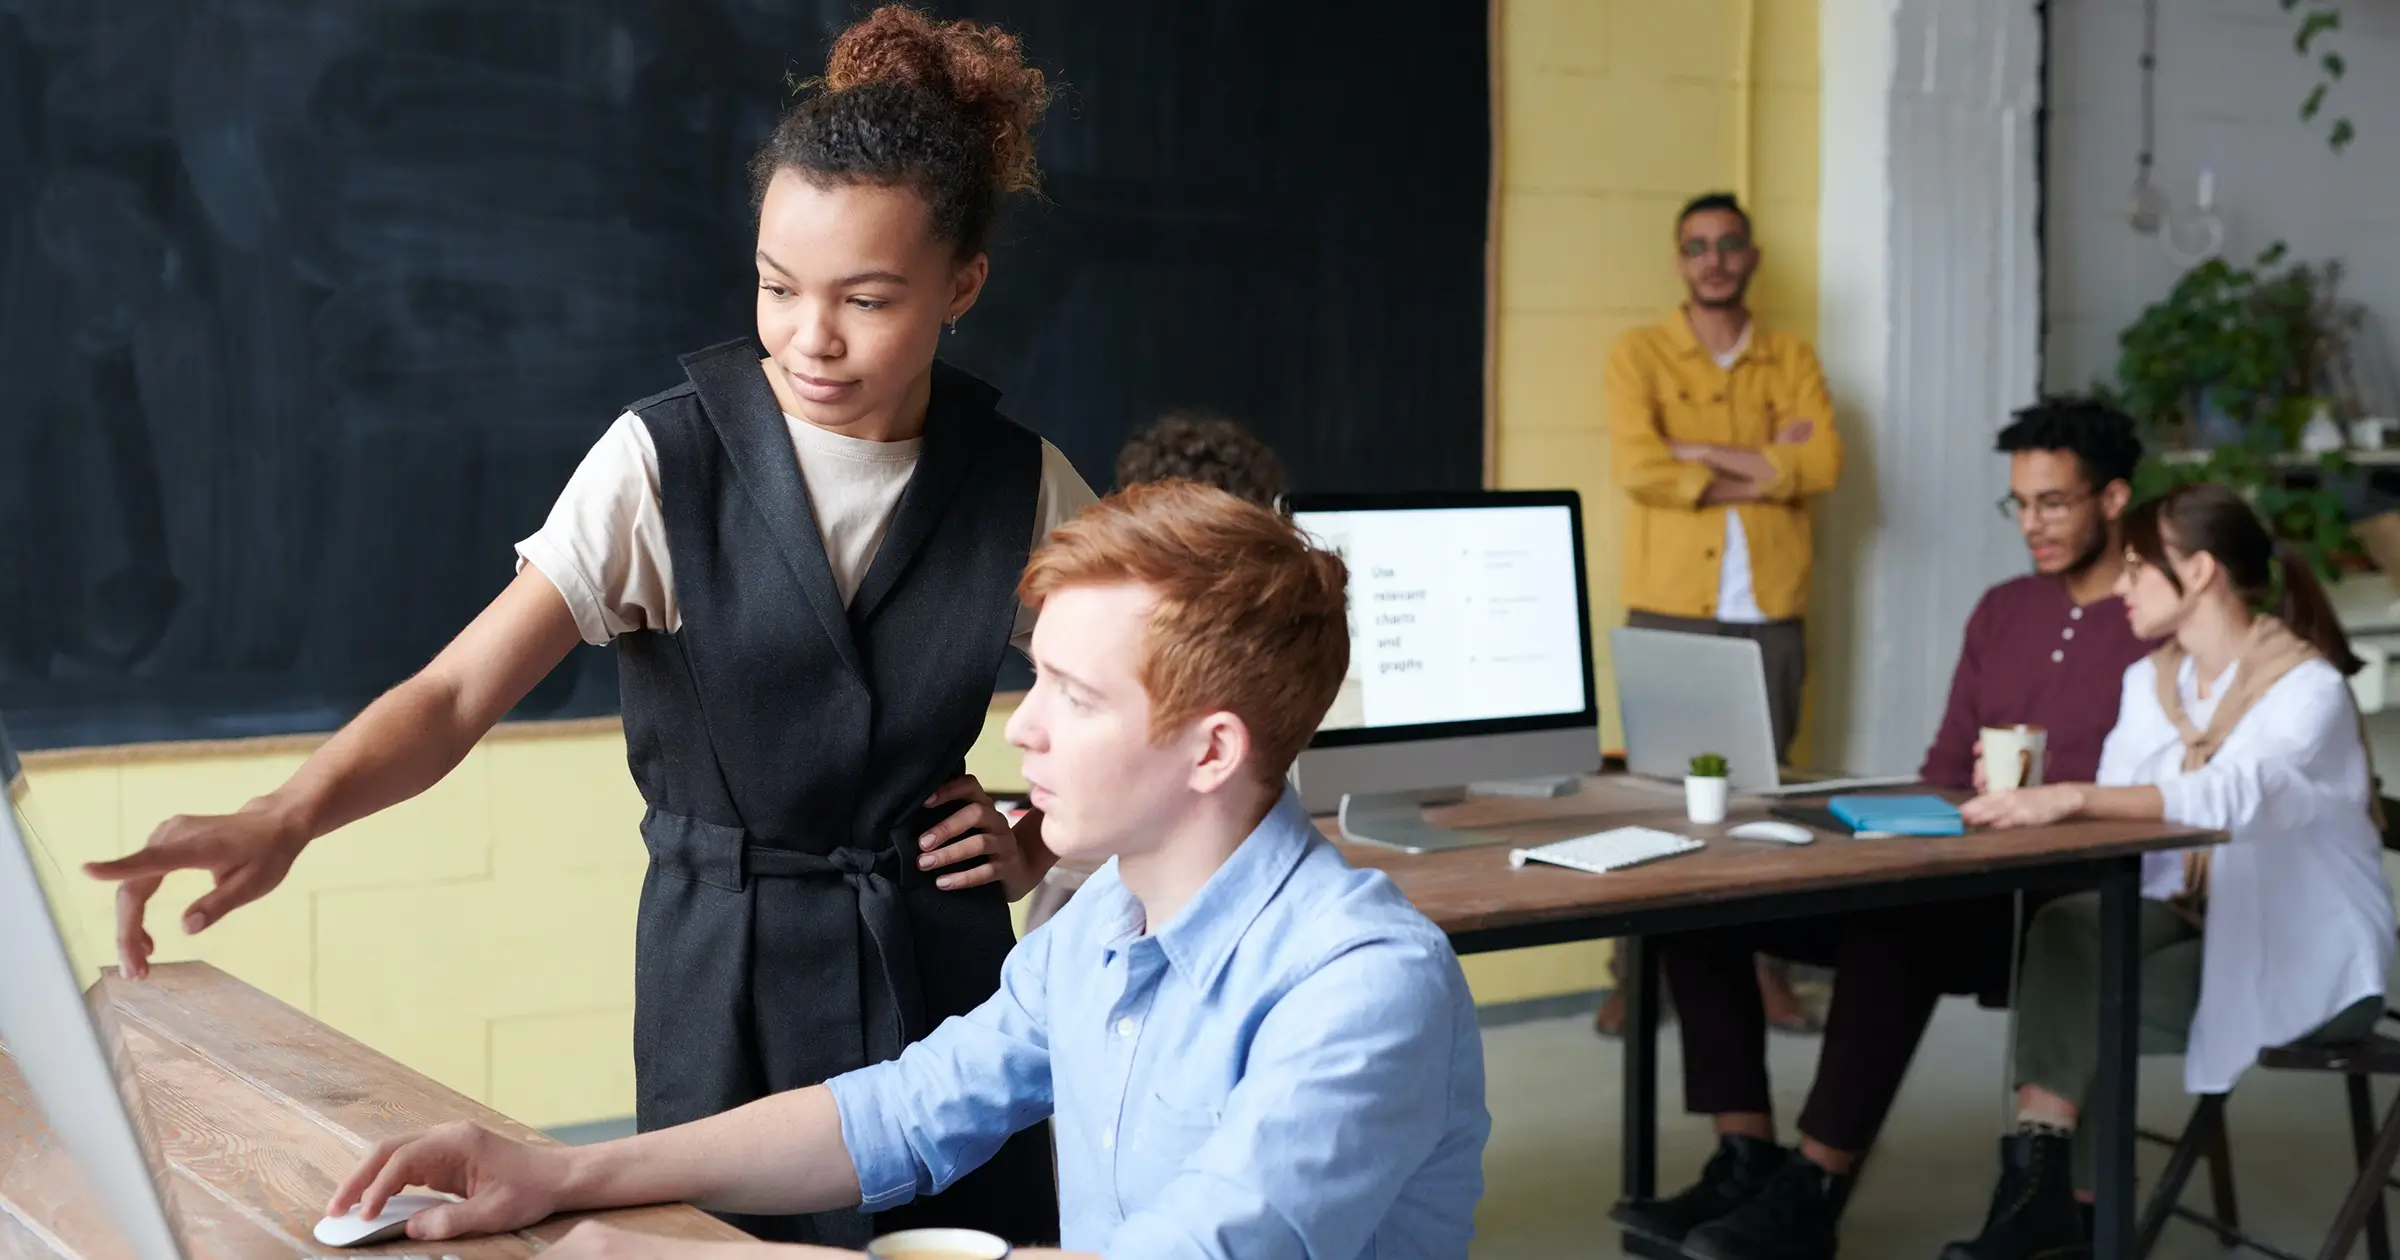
point(979, 830)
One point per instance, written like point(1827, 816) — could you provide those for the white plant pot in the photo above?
point(1704, 799)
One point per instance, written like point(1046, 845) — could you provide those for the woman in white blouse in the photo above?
point(2241, 723)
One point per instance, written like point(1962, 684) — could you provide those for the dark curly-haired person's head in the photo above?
point(2070, 476)
point(1204, 447)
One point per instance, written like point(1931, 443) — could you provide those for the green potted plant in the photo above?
point(2222, 374)
point(1705, 789)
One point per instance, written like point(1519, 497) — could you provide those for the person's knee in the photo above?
point(2068, 927)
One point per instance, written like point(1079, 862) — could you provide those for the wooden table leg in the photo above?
point(2112, 1102)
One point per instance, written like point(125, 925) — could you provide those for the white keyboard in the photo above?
point(1607, 851)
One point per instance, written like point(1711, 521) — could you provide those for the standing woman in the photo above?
point(2241, 723)
point(808, 561)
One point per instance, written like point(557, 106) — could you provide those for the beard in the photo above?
point(1730, 302)
point(2095, 545)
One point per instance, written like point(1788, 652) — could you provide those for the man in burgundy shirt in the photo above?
point(2049, 649)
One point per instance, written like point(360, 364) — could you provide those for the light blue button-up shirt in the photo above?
point(1289, 1067)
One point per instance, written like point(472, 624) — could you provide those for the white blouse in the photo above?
point(604, 545)
point(2300, 922)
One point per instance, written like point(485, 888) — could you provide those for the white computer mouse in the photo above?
point(352, 1230)
point(1770, 829)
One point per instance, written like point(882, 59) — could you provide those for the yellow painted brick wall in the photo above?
point(1613, 114)
point(483, 933)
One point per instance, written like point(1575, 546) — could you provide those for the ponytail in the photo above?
point(2271, 577)
point(2299, 601)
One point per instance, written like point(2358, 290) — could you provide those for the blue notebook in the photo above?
point(1899, 815)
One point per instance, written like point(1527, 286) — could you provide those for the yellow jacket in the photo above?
point(1663, 387)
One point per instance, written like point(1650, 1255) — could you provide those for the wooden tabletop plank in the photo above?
point(285, 1053)
point(253, 1150)
point(260, 1112)
point(1472, 890)
point(19, 1242)
point(46, 1207)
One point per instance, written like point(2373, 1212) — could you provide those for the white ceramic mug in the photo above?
point(939, 1244)
point(2013, 756)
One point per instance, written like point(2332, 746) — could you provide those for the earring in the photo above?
point(952, 325)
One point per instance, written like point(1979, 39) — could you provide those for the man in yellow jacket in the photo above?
point(1721, 432)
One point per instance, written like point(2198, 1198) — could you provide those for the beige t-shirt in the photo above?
point(605, 544)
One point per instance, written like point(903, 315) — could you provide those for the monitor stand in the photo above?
point(1544, 788)
point(1396, 820)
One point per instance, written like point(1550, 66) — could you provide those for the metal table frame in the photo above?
point(2111, 1108)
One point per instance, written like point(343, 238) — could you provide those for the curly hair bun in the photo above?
point(981, 69)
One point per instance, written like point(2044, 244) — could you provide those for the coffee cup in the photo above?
point(2012, 756)
point(939, 1244)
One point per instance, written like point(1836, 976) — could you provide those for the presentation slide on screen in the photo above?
point(1456, 614)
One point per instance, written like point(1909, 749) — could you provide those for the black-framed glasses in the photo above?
point(1730, 243)
point(2052, 506)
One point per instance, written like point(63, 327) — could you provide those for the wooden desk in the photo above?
point(261, 1111)
point(1484, 905)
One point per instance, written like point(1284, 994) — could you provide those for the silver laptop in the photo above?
point(66, 1046)
point(1681, 695)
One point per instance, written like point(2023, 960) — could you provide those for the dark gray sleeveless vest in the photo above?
point(785, 745)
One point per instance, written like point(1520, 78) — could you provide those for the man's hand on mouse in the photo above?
point(505, 1184)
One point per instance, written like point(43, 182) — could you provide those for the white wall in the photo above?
point(1927, 324)
point(2228, 95)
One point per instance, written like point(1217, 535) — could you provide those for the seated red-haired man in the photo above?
point(1251, 1048)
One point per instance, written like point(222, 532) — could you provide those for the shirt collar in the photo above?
point(1201, 937)
point(1680, 335)
point(2058, 585)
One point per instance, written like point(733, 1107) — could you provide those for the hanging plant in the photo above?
point(2322, 19)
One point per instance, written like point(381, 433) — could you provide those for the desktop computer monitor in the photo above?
point(66, 1043)
point(1470, 652)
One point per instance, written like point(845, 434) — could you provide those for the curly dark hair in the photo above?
point(1205, 447)
point(2104, 440)
point(944, 108)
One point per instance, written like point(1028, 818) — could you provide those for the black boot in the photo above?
point(1739, 1170)
point(2034, 1215)
point(1792, 1218)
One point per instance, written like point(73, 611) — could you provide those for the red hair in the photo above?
point(1251, 617)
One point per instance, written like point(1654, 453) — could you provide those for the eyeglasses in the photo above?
point(2049, 507)
point(1730, 243)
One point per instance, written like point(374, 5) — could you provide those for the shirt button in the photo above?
point(2058, 656)
point(1108, 1141)
point(1125, 1027)
point(2067, 633)
point(2075, 614)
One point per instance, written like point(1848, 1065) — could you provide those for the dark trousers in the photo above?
point(1782, 644)
point(1890, 968)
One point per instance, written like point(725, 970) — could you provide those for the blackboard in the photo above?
point(307, 310)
